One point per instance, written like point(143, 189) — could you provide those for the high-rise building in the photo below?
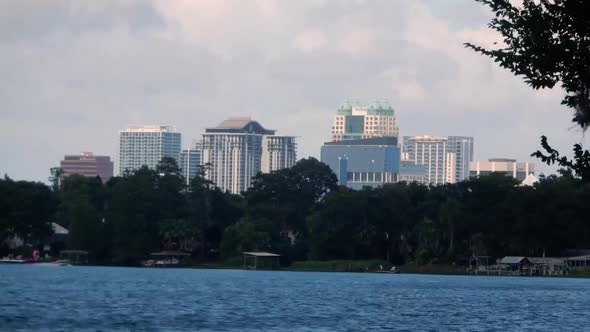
point(510, 167)
point(365, 162)
point(429, 151)
point(233, 151)
point(278, 152)
point(358, 122)
point(446, 159)
point(462, 147)
point(146, 146)
point(189, 162)
point(410, 172)
point(88, 164)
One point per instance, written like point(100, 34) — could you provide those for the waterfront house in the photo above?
point(578, 263)
point(515, 263)
point(547, 265)
point(264, 260)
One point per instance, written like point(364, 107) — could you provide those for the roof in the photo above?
point(384, 140)
point(74, 252)
point(512, 260)
point(240, 125)
point(579, 258)
point(502, 160)
point(58, 229)
point(150, 129)
point(529, 180)
point(234, 123)
point(260, 254)
point(169, 253)
point(546, 260)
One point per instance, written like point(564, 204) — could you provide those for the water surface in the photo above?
point(44, 298)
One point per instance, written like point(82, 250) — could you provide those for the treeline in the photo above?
point(302, 214)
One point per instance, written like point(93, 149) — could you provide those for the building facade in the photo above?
point(510, 167)
point(278, 152)
point(190, 161)
point(446, 159)
point(146, 146)
point(233, 153)
point(88, 164)
point(410, 172)
point(358, 163)
point(462, 148)
point(359, 122)
point(430, 151)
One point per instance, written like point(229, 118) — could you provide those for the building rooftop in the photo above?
point(546, 260)
point(530, 180)
point(426, 138)
point(354, 108)
point(260, 254)
point(150, 129)
point(234, 123)
point(512, 260)
point(502, 160)
point(384, 140)
point(240, 125)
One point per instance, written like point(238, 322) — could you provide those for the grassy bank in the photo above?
point(432, 269)
point(339, 266)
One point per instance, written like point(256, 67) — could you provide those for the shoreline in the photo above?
point(351, 267)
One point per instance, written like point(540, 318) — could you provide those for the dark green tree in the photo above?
point(287, 197)
point(55, 176)
point(26, 210)
point(82, 211)
point(580, 164)
point(135, 215)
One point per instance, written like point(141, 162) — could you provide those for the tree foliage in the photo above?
point(580, 165)
point(301, 214)
point(547, 42)
point(26, 210)
point(81, 211)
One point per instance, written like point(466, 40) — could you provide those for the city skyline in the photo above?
point(153, 62)
point(455, 148)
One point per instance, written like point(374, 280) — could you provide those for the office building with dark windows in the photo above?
point(88, 164)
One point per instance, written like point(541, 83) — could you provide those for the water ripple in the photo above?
point(36, 298)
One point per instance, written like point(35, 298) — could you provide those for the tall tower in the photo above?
point(462, 147)
point(146, 146)
point(359, 122)
point(233, 151)
point(278, 152)
point(430, 151)
point(189, 162)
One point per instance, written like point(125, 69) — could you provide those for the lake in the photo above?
point(41, 298)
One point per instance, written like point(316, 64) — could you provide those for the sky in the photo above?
point(73, 73)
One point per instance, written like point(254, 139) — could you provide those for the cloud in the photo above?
point(309, 40)
point(74, 72)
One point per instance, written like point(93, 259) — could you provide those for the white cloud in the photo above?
point(359, 43)
point(75, 72)
point(309, 40)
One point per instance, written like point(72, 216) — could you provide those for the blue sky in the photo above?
point(75, 72)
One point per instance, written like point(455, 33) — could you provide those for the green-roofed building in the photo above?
point(353, 122)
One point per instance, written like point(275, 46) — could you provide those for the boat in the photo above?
point(393, 270)
point(161, 262)
point(164, 259)
point(12, 261)
point(62, 262)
